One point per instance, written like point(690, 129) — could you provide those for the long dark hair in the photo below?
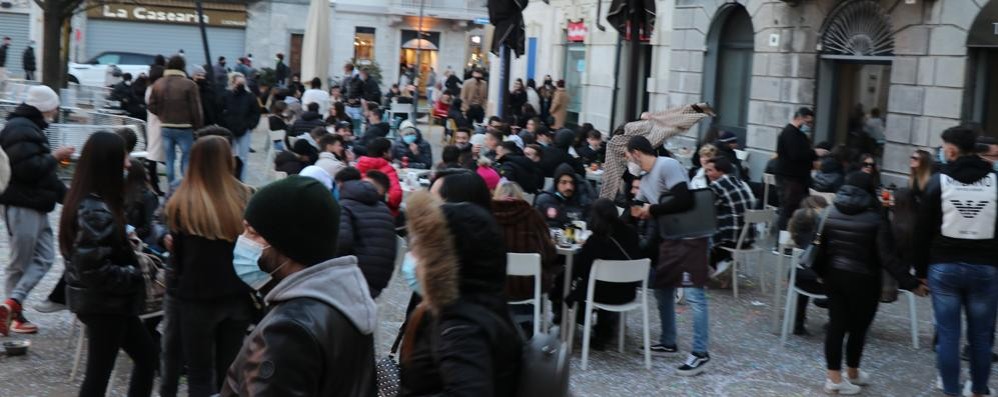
point(903, 224)
point(604, 218)
point(99, 173)
point(464, 186)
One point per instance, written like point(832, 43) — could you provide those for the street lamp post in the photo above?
point(204, 41)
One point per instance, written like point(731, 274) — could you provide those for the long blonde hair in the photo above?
point(210, 201)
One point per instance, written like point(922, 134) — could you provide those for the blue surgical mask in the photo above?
point(805, 128)
point(409, 139)
point(409, 274)
point(245, 261)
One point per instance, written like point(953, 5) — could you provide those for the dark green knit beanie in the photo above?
point(298, 217)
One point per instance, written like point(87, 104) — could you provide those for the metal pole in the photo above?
point(209, 70)
point(504, 57)
point(419, 47)
point(631, 103)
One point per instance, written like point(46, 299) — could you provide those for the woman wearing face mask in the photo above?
point(411, 144)
point(205, 219)
point(104, 283)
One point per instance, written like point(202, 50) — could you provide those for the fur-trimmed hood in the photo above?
point(458, 247)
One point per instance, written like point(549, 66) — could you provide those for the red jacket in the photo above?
point(365, 164)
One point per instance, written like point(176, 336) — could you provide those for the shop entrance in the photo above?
point(982, 82)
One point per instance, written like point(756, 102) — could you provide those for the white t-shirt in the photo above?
point(663, 176)
point(313, 95)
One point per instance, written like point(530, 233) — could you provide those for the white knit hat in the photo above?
point(42, 97)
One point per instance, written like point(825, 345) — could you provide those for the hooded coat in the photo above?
point(33, 180)
point(830, 176)
point(423, 160)
point(367, 231)
point(460, 340)
point(558, 210)
point(306, 123)
point(857, 238)
point(519, 169)
point(316, 340)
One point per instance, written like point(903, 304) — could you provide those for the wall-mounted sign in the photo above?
point(166, 14)
point(577, 31)
point(984, 30)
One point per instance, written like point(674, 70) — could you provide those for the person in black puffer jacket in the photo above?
point(461, 339)
point(514, 166)
point(857, 243)
point(556, 153)
point(241, 114)
point(830, 176)
point(105, 286)
point(367, 231)
point(306, 122)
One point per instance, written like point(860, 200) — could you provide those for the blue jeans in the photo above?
point(355, 113)
point(172, 137)
point(241, 147)
point(973, 289)
point(697, 299)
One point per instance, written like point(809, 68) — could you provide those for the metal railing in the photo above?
point(74, 126)
point(73, 96)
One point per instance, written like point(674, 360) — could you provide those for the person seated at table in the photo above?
point(556, 151)
point(732, 198)
point(830, 176)
point(524, 230)
point(698, 176)
point(307, 147)
point(513, 166)
point(593, 151)
point(367, 229)
point(410, 144)
point(378, 158)
point(611, 239)
point(450, 158)
point(304, 124)
point(568, 200)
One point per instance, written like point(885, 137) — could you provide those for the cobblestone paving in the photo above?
point(747, 359)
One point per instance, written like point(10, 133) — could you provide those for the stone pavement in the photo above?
point(747, 359)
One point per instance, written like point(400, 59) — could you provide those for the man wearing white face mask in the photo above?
point(795, 158)
point(317, 337)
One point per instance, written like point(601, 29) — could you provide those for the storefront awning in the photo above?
point(419, 44)
point(984, 30)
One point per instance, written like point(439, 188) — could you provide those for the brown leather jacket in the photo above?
point(176, 100)
point(474, 93)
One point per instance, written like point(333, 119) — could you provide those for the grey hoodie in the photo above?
point(338, 283)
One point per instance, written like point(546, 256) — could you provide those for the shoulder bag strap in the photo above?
point(622, 250)
point(821, 226)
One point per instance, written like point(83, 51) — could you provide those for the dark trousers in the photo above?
point(792, 191)
point(106, 334)
point(171, 354)
point(852, 304)
point(212, 333)
point(475, 114)
point(58, 294)
point(807, 280)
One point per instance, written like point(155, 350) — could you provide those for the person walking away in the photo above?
point(315, 94)
point(857, 243)
point(377, 159)
point(794, 162)
point(204, 217)
point(105, 288)
point(460, 339)
point(28, 61)
point(3, 57)
point(367, 231)
point(559, 106)
point(240, 115)
point(411, 145)
point(154, 130)
point(320, 318)
point(957, 251)
point(474, 96)
point(682, 261)
point(176, 100)
point(281, 71)
point(612, 239)
point(32, 193)
point(524, 230)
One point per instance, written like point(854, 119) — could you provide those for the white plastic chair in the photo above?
point(399, 108)
point(617, 272)
point(829, 197)
point(751, 218)
point(528, 265)
point(767, 180)
point(83, 335)
point(790, 308)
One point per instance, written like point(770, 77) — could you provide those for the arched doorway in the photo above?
point(982, 43)
point(856, 46)
point(728, 68)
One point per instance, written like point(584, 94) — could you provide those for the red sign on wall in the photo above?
point(577, 31)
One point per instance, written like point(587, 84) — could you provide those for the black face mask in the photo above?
point(547, 82)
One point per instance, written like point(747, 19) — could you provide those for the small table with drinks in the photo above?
point(568, 242)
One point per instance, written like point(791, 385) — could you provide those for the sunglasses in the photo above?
point(871, 165)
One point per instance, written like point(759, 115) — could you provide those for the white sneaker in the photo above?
point(722, 267)
point(862, 380)
point(968, 389)
point(49, 307)
point(843, 388)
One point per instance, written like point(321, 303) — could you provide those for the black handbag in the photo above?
point(809, 257)
point(389, 372)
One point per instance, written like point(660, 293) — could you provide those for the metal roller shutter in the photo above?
point(16, 26)
point(157, 38)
